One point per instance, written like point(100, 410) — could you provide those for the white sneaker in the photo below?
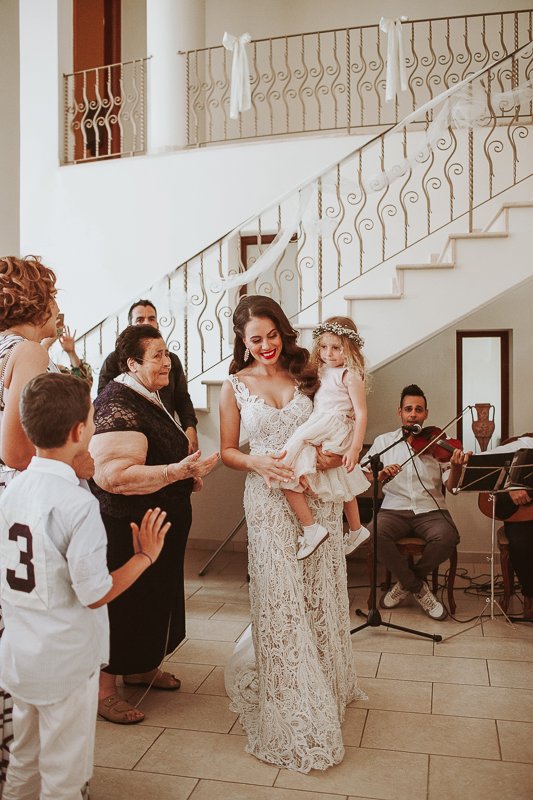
point(313, 537)
point(353, 539)
point(394, 596)
point(429, 602)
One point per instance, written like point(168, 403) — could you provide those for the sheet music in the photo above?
point(521, 470)
point(497, 472)
point(485, 472)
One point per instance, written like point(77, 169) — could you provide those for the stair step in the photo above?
point(504, 206)
point(480, 235)
point(428, 265)
point(389, 296)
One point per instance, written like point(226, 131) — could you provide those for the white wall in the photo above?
point(432, 366)
point(133, 29)
point(9, 129)
point(281, 18)
point(111, 229)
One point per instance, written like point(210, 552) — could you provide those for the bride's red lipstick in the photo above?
point(269, 354)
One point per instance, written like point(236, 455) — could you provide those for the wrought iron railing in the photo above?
point(335, 80)
point(105, 112)
point(396, 190)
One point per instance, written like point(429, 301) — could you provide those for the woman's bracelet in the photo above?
point(142, 553)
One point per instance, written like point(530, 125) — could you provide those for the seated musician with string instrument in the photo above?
point(515, 510)
point(413, 503)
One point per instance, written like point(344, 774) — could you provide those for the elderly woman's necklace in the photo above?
point(134, 383)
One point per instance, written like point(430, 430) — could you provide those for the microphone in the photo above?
point(416, 428)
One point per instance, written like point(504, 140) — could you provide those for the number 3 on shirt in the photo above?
point(22, 584)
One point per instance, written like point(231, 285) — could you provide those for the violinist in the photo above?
point(413, 505)
point(517, 521)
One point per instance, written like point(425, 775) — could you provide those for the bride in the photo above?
point(291, 680)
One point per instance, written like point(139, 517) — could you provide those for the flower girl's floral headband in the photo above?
point(338, 330)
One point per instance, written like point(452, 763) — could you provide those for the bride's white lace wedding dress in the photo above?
point(291, 679)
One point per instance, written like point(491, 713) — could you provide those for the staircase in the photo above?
point(359, 243)
point(424, 298)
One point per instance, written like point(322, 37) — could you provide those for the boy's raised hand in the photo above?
point(150, 537)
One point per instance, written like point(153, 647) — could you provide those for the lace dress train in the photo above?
point(291, 679)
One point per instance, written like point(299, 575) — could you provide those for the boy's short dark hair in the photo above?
point(412, 391)
point(50, 405)
point(139, 303)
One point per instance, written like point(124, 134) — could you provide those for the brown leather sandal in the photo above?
point(165, 681)
point(115, 709)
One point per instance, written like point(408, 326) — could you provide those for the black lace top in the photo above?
point(120, 408)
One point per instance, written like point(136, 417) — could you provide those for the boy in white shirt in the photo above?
point(54, 584)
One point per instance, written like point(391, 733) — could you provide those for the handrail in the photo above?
point(373, 25)
point(334, 79)
point(354, 230)
point(105, 111)
point(105, 66)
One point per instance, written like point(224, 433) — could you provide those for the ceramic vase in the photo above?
point(483, 426)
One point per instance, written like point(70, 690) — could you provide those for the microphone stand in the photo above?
point(373, 617)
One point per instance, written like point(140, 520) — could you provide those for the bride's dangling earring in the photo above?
point(246, 355)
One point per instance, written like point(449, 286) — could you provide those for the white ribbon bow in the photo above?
point(396, 73)
point(240, 99)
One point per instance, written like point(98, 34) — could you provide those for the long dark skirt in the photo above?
point(148, 620)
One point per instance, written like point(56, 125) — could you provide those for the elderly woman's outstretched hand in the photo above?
point(192, 467)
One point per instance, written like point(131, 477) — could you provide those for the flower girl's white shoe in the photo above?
point(313, 537)
point(353, 539)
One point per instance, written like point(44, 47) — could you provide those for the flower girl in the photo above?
point(338, 424)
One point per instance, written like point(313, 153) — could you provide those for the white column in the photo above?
point(9, 135)
point(171, 26)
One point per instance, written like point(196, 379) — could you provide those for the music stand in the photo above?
point(487, 473)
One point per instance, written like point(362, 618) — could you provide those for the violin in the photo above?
point(440, 446)
point(431, 440)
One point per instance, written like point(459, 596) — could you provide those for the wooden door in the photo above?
point(96, 39)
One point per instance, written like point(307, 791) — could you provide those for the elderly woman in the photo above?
point(141, 462)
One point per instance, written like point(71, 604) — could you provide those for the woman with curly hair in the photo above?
point(28, 313)
point(291, 680)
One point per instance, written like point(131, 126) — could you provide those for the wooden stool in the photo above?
point(412, 546)
point(507, 568)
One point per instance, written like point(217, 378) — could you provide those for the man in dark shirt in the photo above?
point(175, 397)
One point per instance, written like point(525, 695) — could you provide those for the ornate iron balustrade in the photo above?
point(105, 112)
point(335, 80)
point(390, 194)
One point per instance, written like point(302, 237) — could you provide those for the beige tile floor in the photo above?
point(443, 720)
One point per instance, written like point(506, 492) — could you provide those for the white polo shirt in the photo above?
point(52, 566)
point(406, 492)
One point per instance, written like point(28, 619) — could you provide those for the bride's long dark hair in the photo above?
point(295, 358)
